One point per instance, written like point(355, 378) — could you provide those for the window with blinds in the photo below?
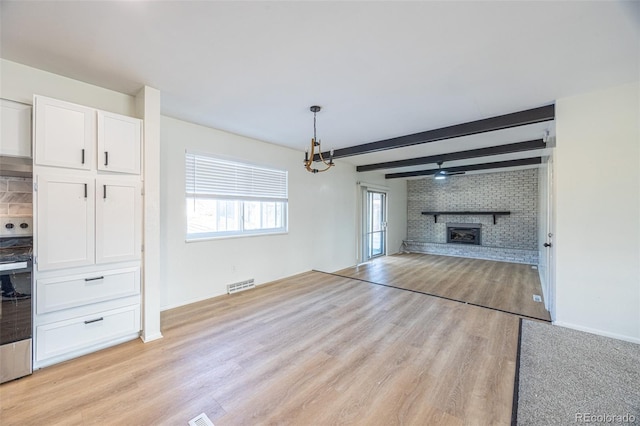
point(227, 198)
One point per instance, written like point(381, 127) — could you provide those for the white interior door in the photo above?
point(548, 244)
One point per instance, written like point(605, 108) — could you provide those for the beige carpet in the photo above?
point(568, 377)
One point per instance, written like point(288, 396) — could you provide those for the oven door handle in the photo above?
point(14, 266)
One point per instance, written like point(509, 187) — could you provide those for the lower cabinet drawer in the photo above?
point(79, 333)
point(54, 294)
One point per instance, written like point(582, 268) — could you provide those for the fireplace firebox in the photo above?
point(464, 233)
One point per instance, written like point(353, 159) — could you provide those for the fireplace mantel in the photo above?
point(464, 213)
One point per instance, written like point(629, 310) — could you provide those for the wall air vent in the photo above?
point(240, 286)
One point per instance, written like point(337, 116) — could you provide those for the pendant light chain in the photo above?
point(309, 159)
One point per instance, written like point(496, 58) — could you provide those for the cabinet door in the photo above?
point(65, 134)
point(118, 219)
point(15, 121)
point(119, 140)
point(64, 222)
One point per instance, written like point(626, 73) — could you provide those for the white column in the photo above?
point(148, 108)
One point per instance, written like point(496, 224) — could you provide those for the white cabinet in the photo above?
point(119, 143)
point(15, 129)
point(58, 293)
point(88, 229)
point(81, 333)
point(118, 220)
point(78, 137)
point(65, 134)
point(85, 221)
point(65, 221)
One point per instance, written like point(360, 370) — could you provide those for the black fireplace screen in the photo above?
point(463, 235)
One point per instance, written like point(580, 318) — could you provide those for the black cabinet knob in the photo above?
point(24, 225)
point(9, 226)
point(547, 244)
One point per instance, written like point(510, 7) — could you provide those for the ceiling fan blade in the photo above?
point(455, 173)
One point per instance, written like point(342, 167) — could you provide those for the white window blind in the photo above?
point(211, 177)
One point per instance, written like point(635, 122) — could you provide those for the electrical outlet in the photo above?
point(537, 298)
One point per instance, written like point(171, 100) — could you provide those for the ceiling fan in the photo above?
point(442, 174)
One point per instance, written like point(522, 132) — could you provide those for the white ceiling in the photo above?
point(378, 69)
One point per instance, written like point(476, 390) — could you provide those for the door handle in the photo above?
point(547, 244)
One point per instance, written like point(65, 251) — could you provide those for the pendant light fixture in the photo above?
point(309, 155)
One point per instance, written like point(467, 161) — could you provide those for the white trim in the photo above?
point(227, 236)
point(598, 332)
point(151, 338)
point(374, 186)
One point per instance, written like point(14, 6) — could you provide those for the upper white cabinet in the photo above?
point(15, 129)
point(78, 137)
point(119, 143)
point(65, 134)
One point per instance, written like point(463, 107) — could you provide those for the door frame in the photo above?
point(363, 190)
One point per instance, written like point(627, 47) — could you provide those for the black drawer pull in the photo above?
point(106, 158)
point(82, 155)
point(94, 320)
point(94, 279)
point(104, 191)
point(85, 190)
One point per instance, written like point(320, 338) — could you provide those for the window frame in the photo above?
point(194, 195)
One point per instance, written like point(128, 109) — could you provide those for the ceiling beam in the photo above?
point(469, 168)
point(515, 119)
point(460, 155)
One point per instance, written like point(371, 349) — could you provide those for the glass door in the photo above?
point(376, 224)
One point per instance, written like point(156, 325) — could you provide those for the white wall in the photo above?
point(19, 83)
point(322, 219)
point(597, 187)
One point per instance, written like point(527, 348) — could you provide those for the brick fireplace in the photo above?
point(510, 238)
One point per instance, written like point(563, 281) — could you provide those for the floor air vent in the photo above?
point(201, 420)
point(240, 286)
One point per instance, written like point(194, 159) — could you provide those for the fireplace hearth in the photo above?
point(464, 233)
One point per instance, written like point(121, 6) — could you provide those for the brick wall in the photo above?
point(514, 191)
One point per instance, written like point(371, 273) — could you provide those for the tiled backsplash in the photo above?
point(16, 195)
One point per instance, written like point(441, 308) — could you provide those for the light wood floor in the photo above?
point(504, 286)
point(314, 349)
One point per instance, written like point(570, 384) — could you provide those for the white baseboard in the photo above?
point(190, 301)
point(598, 332)
point(151, 338)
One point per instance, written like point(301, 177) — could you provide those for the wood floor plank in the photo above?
point(314, 349)
point(504, 286)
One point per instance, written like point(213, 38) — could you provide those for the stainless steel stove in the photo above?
point(16, 253)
